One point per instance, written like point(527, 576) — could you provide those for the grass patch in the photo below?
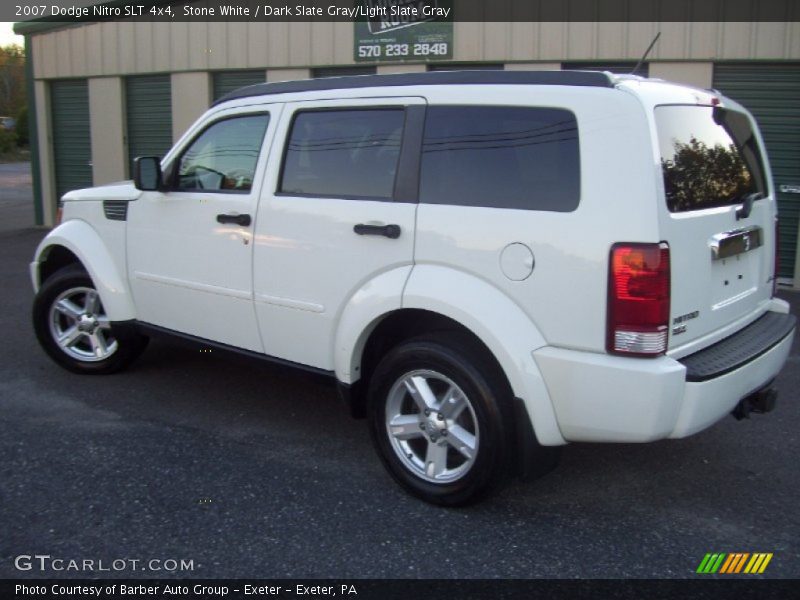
point(15, 155)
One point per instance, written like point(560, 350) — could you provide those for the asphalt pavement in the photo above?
point(16, 203)
point(250, 470)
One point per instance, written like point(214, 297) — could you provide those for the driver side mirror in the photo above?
point(147, 173)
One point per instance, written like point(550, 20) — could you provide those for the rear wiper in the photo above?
point(747, 204)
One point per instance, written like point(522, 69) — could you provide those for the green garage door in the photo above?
point(466, 67)
point(72, 144)
point(149, 116)
point(323, 72)
point(227, 81)
point(772, 93)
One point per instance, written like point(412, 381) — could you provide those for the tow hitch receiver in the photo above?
point(761, 402)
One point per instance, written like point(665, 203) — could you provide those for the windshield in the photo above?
point(709, 157)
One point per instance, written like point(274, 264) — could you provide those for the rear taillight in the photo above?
point(638, 299)
point(776, 264)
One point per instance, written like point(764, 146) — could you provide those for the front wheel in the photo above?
point(73, 328)
point(439, 419)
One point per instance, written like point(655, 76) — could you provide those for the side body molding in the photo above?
point(84, 242)
point(500, 324)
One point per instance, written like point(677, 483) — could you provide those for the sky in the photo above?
point(7, 35)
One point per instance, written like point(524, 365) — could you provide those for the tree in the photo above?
point(12, 79)
point(699, 175)
point(22, 126)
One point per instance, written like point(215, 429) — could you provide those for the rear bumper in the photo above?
point(709, 399)
point(602, 398)
point(739, 349)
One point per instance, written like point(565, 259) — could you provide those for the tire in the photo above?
point(461, 450)
point(72, 327)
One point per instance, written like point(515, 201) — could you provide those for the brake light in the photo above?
point(59, 214)
point(638, 299)
point(776, 263)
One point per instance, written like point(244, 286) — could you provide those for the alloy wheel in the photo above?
point(432, 426)
point(80, 327)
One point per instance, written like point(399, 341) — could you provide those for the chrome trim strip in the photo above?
point(737, 241)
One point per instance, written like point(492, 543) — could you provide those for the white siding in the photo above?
point(698, 74)
point(127, 47)
point(191, 96)
point(109, 154)
point(48, 183)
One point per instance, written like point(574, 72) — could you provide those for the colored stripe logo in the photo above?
point(734, 562)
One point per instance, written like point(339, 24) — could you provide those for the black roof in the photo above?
point(576, 78)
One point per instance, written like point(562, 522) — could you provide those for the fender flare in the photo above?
point(365, 309)
point(480, 307)
point(501, 325)
point(84, 242)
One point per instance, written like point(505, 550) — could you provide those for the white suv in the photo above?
point(488, 264)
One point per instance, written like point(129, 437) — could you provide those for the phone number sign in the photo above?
point(404, 30)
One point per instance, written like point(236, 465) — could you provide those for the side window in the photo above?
point(224, 156)
point(343, 153)
point(503, 157)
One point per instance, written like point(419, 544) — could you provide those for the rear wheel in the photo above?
point(440, 419)
point(73, 328)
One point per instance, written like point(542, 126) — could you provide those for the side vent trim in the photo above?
point(116, 210)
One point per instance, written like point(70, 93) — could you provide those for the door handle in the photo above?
point(243, 220)
point(389, 231)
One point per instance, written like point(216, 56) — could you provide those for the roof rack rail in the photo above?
point(572, 78)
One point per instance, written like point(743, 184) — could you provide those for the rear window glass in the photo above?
point(504, 157)
point(709, 157)
point(343, 153)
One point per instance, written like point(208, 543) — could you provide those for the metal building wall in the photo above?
point(123, 48)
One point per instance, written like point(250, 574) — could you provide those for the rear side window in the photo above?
point(709, 157)
point(503, 157)
point(343, 153)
